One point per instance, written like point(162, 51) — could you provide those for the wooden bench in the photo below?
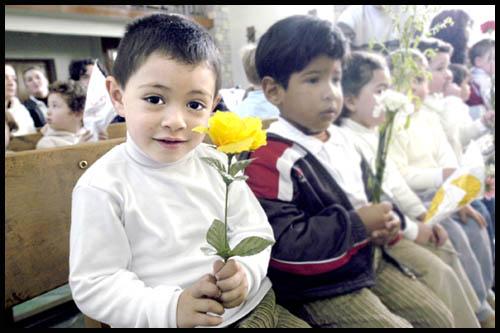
point(29, 141)
point(38, 187)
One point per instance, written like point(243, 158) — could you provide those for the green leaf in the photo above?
point(238, 166)
point(214, 163)
point(250, 246)
point(215, 236)
point(243, 177)
point(228, 179)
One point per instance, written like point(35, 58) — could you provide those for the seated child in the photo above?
point(456, 95)
point(364, 76)
point(482, 58)
point(140, 213)
point(425, 159)
point(64, 116)
point(452, 111)
point(309, 181)
point(254, 104)
point(10, 127)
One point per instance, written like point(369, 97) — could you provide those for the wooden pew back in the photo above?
point(38, 188)
point(29, 141)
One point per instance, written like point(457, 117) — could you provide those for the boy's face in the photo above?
point(420, 88)
point(59, 115)
point(85, 77)
point(362, 106)
point(441, 75)
point(487, 62)
point(162, 102)
point(10, 82)
point(36, 83)
point(314, 95)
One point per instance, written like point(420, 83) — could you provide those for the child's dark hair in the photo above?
point(460, 73)
point(357, 71)
point(480, 49)
point(172, 35)
point(72, 92)
point(290, 44)
point(79, 67)
point(455, 34)
point(435, 45)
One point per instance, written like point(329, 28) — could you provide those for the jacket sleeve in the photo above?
point(320, 242)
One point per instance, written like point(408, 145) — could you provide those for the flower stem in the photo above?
point(226, 244)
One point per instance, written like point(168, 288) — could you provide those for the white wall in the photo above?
point(261, 17)
point(61, 48)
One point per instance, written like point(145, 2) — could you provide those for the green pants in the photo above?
point(396, 300)
point(268, 314)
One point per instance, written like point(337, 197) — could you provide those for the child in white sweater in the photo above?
point(140, 214)
point(365, 76)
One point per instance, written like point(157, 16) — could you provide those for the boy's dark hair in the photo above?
point(290, 44)
point(480, 49)
point(357, 71)
point(455, 34)
point(79, 67)
point(434, 44)
point(172, 35)
point(460, 73)
point(72, 92)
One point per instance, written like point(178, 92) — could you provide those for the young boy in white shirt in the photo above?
point(141, 213)
point(309, 180)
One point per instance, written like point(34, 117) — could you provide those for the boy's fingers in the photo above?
point(206, 287)
point(202, 319)
point(228, 270)
point(230, 283)
point(209, 305)
point(218, 264)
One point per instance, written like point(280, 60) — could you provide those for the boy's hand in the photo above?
point(468, 211)
point(440, 234)
point(388, 233)
point(196, 301)
point(374, 216)
point(232, 281)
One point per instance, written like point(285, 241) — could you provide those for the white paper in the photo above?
point(99, 111)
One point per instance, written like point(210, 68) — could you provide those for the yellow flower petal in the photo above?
point(233, 134)
point(200, 129)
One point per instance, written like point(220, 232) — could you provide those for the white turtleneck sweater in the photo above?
point(393, 185)
point(55, 138)
point(136, 231)
point(421, 152)
point(457, 124)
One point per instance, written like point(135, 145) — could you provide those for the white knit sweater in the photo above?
point(136, 231)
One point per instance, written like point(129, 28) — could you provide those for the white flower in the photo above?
point(392, 101)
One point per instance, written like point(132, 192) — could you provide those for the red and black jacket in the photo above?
point(322, 247)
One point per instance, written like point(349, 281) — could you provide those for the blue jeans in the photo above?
point(490, 206)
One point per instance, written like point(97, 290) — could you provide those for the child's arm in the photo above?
point(102, 285)
point(246, 218)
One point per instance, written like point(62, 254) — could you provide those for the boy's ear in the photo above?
point(116, 95)
point(350, 103)
point(273, 90)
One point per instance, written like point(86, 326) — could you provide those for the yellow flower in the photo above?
point(232, 134)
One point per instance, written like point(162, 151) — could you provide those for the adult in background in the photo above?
point(37, 85)
point(457, 34)
point(21, 115)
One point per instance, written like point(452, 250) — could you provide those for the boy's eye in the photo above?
point(336, 80)
point(195, 106)
point(313, 80)
point(157, 100)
